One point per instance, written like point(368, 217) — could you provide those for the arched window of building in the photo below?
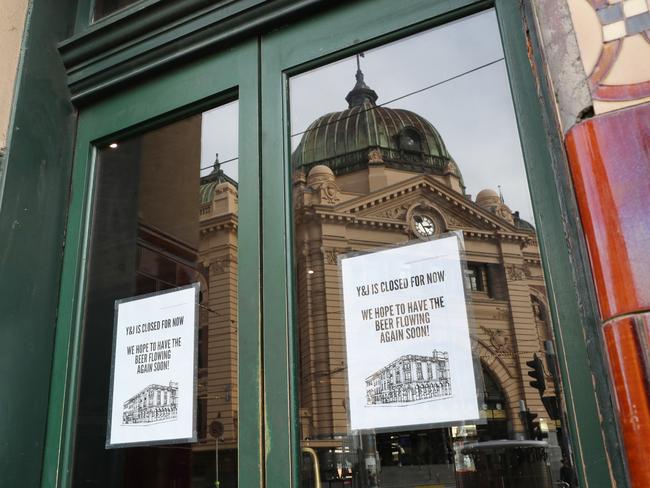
point(410, 140)
point(495, 408)
point(538, 308)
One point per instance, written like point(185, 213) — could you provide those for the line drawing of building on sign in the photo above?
point(410, 378)
point(154, 403)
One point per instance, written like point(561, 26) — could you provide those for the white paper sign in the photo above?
point(407, 336)
point(153, 386)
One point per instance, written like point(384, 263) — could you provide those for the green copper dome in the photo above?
point(342, 140)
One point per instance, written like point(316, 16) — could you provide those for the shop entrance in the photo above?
point(370, 128)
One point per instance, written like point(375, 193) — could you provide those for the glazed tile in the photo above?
point(609, 157)
point(631, 392)
point(614, 31)
point(634, 7)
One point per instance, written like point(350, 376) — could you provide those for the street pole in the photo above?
point(216, 450)
point(216, 431)
point(524, 420)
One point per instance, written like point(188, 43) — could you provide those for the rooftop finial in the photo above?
point(500, 194)
point(361, 93)
point(217, 174)
point(359, 75)
point(216, 167)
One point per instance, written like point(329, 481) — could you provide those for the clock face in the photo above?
point(424, 225)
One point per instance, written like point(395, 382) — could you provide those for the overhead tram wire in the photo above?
point(220, 163)
point(401, 97)
point(415, 92)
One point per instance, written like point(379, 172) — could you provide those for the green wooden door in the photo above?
point(290, 302)
point(133, 148)
point(258, 73)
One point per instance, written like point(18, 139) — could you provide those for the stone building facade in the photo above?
point(218, 244)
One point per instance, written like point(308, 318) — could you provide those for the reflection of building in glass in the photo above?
point(218, 350)
point(369, 177)
point(155, 403)
point(365, 178)
point(410, 378)
point(190, 238)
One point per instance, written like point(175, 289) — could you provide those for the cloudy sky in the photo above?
point(473, 112)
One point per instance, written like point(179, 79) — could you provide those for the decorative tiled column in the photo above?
point(609, 157)
point(610, 163)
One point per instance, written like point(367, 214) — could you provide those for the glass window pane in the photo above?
point(399, 145)
point(165, 215)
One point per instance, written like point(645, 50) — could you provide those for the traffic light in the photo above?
point(531, 425)
point(552, 407)
point(534, 427)
point(537, 373)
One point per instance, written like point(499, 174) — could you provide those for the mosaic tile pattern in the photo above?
point(614, 41)
point(623, 18)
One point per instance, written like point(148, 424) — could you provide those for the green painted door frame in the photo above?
point(191, 89)
point(34, 186)
point(256, 71)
